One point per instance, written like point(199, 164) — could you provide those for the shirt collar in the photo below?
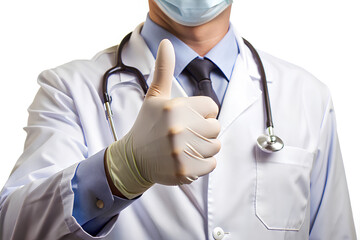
point(224, 54)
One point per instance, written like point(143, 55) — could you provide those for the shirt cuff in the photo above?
point(94, 204)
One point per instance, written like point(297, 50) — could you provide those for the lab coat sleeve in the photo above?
point(90, 186)
point(37, 200)
point(330, 210)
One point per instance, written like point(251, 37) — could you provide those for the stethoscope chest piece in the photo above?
point(270, 143)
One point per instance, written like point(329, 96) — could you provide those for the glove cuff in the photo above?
point(123, 170)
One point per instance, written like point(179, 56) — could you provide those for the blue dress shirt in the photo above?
point(89, 181)
point(224, 55)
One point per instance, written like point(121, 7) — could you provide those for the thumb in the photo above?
point(164, 71)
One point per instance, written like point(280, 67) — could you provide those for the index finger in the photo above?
point(204, 105)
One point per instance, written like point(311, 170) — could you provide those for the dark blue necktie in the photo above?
point(200, 70)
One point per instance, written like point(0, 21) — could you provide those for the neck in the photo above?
point(200, 38)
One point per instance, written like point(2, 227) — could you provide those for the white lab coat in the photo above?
point(250, 194)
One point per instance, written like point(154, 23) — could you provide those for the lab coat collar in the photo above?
point(137, 53)
point(249, 61)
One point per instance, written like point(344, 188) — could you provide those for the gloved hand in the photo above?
point(172, 141)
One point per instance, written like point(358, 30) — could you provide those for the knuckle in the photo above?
point(217, 145)
point(217, 126)
point(213, 164)
point(154, 90)
point(175, 153)
point(179, 177)
point(212, 107)
point(210, 101)
point(168, 106)
point(180, 172)
point(172, 104)
point(173, 131)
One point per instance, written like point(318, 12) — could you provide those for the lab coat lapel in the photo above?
point(241, 94)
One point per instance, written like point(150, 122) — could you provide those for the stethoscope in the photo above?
point(268, 142)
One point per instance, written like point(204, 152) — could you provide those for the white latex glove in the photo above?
point(172, 141)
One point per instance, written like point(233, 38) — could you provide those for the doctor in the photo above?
point(185, 167)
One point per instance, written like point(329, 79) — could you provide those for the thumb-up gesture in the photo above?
point(172, 141)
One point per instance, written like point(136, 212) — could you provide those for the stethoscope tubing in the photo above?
point(121, 67)
point(267, 143)
point(261, 69)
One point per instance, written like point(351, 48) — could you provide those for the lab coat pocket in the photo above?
point(283, 187)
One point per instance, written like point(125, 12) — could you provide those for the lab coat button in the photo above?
point(100, 204)
point(218, 233)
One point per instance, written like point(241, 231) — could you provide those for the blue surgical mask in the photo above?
point(192, 12)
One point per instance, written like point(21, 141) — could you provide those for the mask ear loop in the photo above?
point(120, 67)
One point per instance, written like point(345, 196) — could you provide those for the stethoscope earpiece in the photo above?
point(270, 143)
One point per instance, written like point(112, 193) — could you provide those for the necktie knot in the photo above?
point(200, 69)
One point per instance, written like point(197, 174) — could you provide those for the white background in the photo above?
point(320, 35)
